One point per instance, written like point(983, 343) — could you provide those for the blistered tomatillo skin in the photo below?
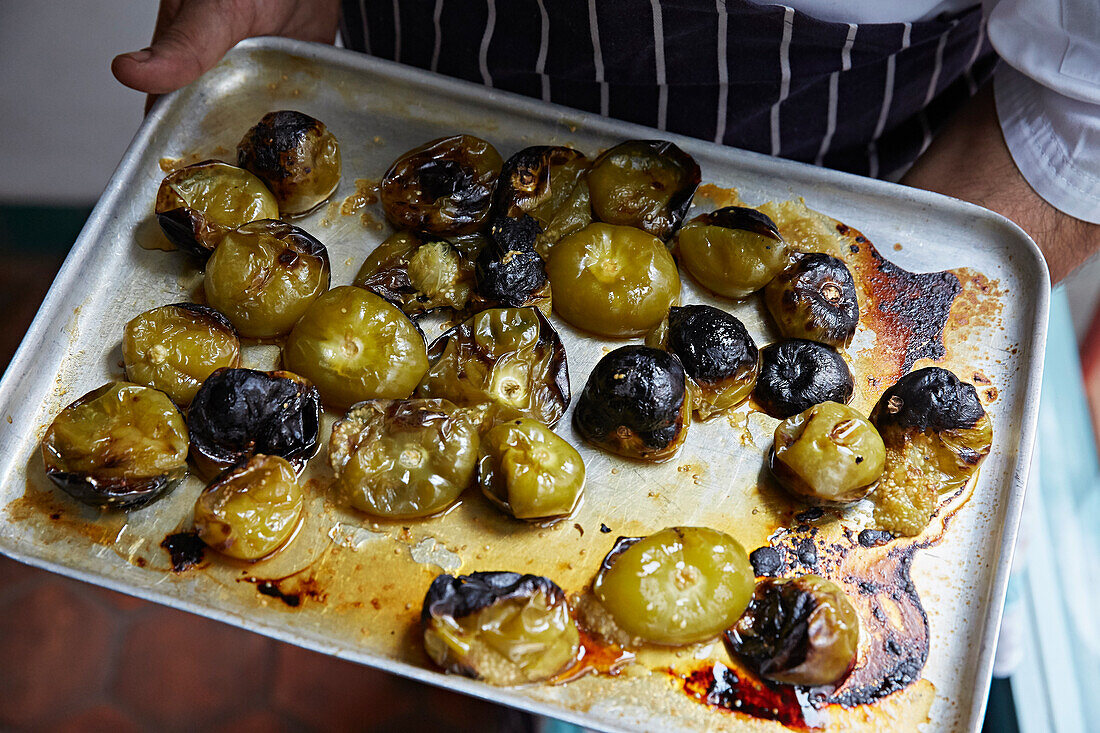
point(503, 628)
point(815, 299)
point(251, 510)
point(198, 205)
point(613, 280)
point(800, 631)
point(678, 586)
point(442, 187)
point(264, 275)
point(829, 453)
point(175, 347)
point(797, 374)
point(417, 274)
point(120, 446)
point(635, 404)
point(732, 252)
point(355, 346)
point(509, 361)
point(549, 184)
point(529, 471)
point(404, 458)
point(238, 413)
point(936, 434)
point(648, 184)
point(296, 156)
point(717, 353)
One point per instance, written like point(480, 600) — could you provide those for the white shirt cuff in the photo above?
point(1054, 140)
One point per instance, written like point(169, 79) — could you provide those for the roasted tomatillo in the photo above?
point(175, 347)
point(936, 434)
point(829, 453)
point(509, 361)
point(613, 280)
point(442, 187)
point(678, 586)
point(251, 510)
point(503, 628)
point(198, 205)
point(404, 458)
point(264, 275)
point(120, 446)
point(296, 156)
point(732, 252)
point(635, 404)
point(798, 631)
point(355, 346)
point(646, 184)
point(528, 471)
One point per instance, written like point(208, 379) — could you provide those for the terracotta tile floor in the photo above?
point(81, 658)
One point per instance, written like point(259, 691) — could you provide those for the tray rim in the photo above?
point(323, 53)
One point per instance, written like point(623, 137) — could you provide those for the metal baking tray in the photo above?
point(357, 584)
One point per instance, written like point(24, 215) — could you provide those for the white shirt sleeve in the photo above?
point(1048, 97)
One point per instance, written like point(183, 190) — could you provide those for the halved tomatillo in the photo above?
point(503, 628)
point(528, 471)
point(404, 458)
point(252, 509)
point(509, 360)
point(198, 205)
point(121, 446)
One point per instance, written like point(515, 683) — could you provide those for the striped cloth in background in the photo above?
point(860, 98)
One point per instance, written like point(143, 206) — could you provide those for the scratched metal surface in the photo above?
point(362, 583)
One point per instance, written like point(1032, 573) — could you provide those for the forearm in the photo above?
point(970, 160)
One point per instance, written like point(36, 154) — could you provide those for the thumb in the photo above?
point(188, 45)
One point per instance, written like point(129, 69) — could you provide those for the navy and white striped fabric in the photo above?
point(862, 98)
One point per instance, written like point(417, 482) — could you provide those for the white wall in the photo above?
point(64, 120)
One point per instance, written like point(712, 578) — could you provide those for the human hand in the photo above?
point(191, 36)
point(970, 160)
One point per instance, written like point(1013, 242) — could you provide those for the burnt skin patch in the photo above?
point(292, 590)
point(185, 549)
point(874, 537)
point(896, 623)
point(766, 561)
point(739, 691)
point(906, 310)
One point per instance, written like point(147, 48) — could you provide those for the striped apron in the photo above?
point(861, 98)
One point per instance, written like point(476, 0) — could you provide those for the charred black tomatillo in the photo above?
point(635, 404)
point(815, 299)
point(797, 374)
point(717, 353)
point(238, 413)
